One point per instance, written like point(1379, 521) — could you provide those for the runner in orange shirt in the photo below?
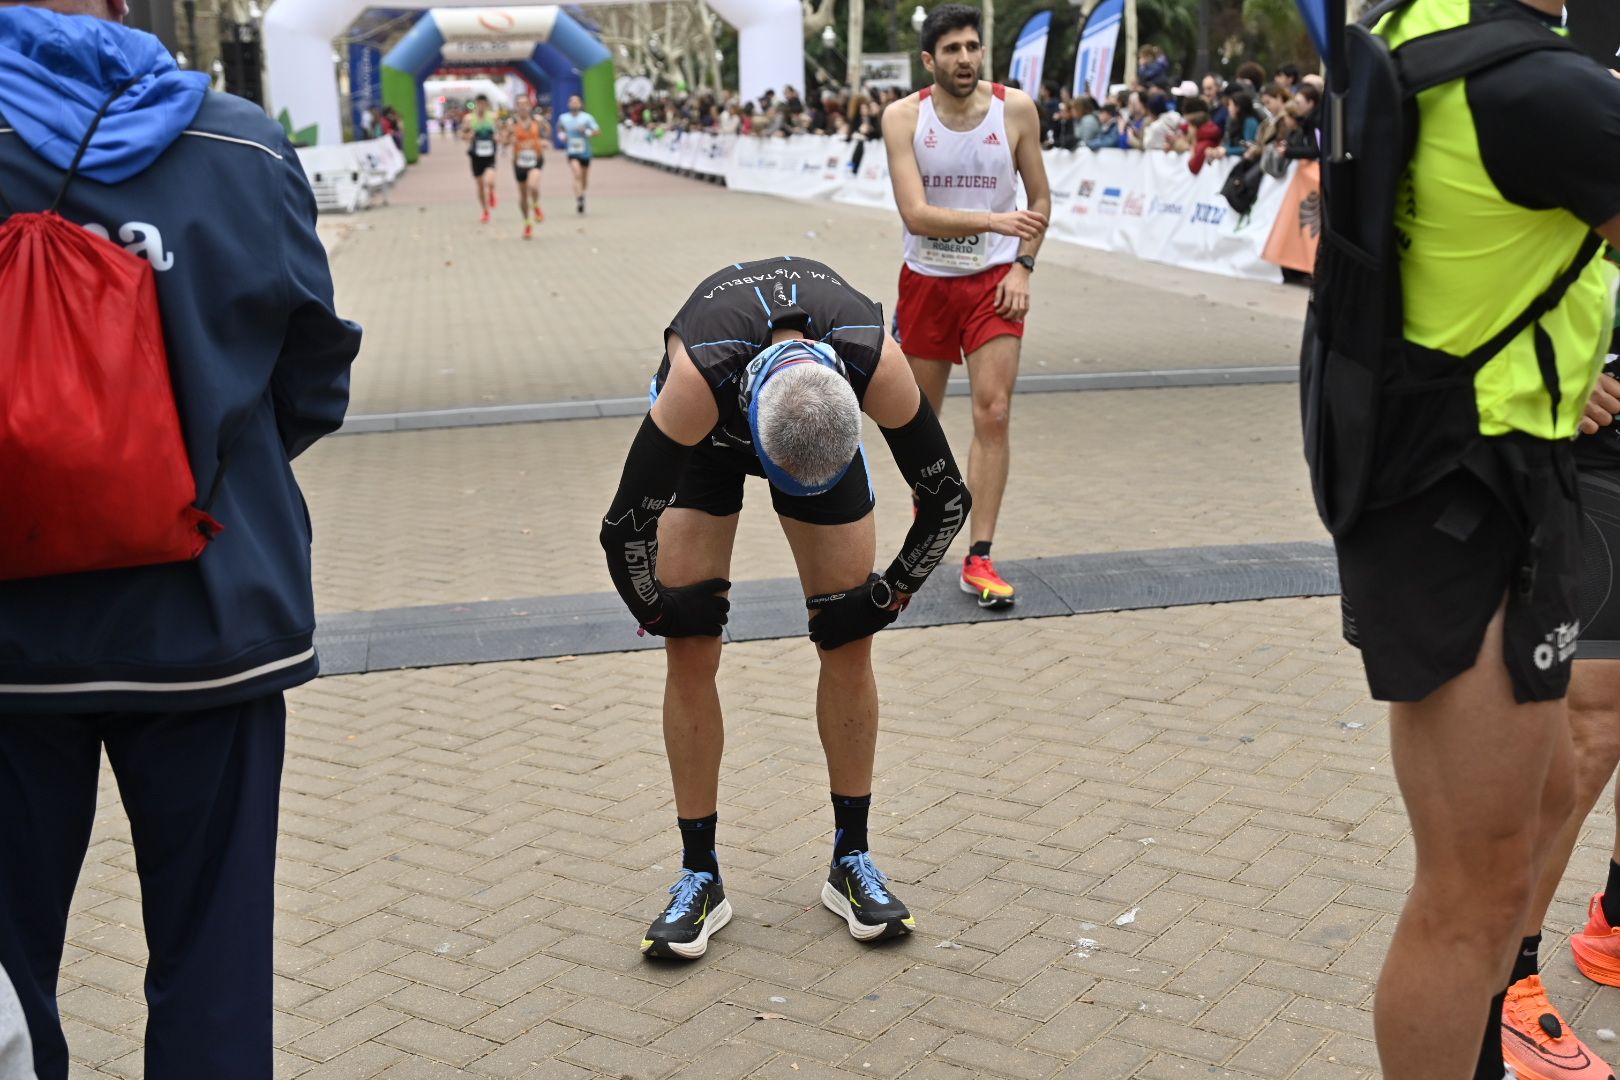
point(526, 135)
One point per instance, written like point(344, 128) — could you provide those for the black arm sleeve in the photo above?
point(630, 530)
point(943, 502)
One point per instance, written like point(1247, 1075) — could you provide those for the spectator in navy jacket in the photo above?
point(175, 671)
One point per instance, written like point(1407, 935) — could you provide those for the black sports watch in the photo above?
point(1027, 262)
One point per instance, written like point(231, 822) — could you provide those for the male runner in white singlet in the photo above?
point(957, 150)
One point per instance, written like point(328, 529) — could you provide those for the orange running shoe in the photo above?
point(539, 215)
point(1538, 1043)
point(493, 200)
point(1597, 948)
point(485, 218)
point(528, 232)
point(979, 577)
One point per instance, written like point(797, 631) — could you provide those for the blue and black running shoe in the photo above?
point(858, 892)
point(697, 910)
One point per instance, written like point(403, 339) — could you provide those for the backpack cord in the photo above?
point(84, 146)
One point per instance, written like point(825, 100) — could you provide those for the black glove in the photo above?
point(840, 618)
point(691, 610)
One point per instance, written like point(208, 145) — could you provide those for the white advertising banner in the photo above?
point(534, 23)
point(1149, 205)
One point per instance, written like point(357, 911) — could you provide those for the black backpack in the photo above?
point(1383, 417)
point(1242, 187)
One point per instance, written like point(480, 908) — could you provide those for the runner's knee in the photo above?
point(992, 415)
point(693, 658)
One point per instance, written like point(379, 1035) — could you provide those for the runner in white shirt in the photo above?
point(957, 149)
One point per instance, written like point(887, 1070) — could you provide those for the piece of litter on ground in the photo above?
point(1088, 926)
point(944, 944)
point(811, 235)
point(769, 1016)
point(1127, 918)
point(1606, 1034)
point(778, 1001)
point(1084, 947)
point(1352, 725)
point(560, 708)
point(566, 659)
point(1245, 739)
point(1146, 840)
point(657, 866)
point(442, 948)
point(1141, 1006)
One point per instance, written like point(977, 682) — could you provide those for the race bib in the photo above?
point(483, 148)
point(957, 253)
point(527, 159)
point(576, 145)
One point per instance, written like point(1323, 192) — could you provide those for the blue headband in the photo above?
point(759, 371)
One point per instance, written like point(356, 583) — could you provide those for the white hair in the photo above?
point(809, 422)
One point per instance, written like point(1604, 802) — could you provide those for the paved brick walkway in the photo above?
point(1159, 844)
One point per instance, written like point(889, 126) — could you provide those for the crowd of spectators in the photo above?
point(1259, 119)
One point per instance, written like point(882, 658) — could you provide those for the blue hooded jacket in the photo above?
point(207, 188)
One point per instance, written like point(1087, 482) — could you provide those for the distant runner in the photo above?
point(526, 135)
point(956, 152)
point(579, 128)
point(481, 131)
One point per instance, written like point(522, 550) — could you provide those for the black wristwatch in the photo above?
point(1027, 262)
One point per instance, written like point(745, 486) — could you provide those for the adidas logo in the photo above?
point(992, 140)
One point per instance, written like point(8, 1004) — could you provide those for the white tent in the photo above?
point(298, 38)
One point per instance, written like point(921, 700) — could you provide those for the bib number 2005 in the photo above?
point(956, 253)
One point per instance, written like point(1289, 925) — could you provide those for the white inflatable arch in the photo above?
point(298, 38)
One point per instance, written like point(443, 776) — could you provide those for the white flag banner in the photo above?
point(1029, 56)
point(1098, 40)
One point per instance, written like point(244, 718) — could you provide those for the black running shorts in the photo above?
point(584, 162)
point(1600, 550)
point(482, 165)
point(1421, 580)
point(713, 483)
point(523, 174)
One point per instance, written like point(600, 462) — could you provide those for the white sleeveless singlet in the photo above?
point(964, 170)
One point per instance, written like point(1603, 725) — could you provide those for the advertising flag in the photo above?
point(1098, 39)
point(1029, 56)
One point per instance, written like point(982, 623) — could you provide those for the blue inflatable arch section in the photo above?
point(564, 50)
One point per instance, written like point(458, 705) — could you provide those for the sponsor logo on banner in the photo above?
point(1087, 189)
point(1109, 203)
point(1208, 214)
point(1165, 206)
point(1134, 204)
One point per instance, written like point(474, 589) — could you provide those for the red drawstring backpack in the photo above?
point(93, 468)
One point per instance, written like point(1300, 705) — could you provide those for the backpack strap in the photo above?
point(1448, 55)
point(1539, 307)
point(78, 157)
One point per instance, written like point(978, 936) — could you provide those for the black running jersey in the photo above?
point(728, 320)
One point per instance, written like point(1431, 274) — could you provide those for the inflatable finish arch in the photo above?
point(556, 43)
point(298, 38)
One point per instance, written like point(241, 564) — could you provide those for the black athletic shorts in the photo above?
point(1600, 550)
point(482, 165)
point(584, 162)
point(523, 174)
point(713, 483)
point(1421, 579)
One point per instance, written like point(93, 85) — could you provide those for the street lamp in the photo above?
point(829, 38)
point(918, 17)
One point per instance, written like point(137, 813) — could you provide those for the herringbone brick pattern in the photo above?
point(439, 517)
point(469, 856)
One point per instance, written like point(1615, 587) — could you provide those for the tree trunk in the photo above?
point(989, 35)
point(857, 30)
point(1130, 42)
point(1201, 56)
